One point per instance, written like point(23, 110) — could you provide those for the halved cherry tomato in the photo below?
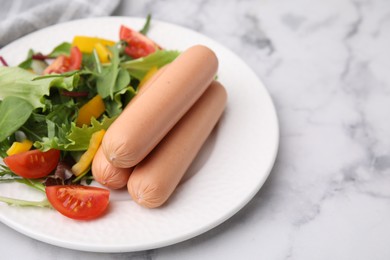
point(78, 202)
point(33, 164)
point(75, 59)
point(64, 63)
point(138, 45)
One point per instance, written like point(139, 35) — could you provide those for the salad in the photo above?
point(56, 107)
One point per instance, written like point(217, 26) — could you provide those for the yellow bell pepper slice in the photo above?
point(103, 53)
point(148, 75)
point(87, 44)
point(19, 147)
point(86, 159)
point(93, 108)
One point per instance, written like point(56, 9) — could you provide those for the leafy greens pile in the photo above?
point(35, 104)
point(44, 108)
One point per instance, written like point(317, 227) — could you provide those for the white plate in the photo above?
point(229, 171)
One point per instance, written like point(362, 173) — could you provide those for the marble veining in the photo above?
point(326, 65)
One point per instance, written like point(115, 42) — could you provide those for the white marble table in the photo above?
point(326, 65)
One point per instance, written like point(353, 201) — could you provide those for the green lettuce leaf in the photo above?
point(20, 83)
point(76, 139)
point(14, 111)
point(22, 92)
point(139, 67)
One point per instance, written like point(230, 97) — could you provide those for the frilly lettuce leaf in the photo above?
point(76, 139)
point(27, 93)
point(20, 83)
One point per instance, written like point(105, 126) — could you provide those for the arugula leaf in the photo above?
point(145, 29)
point(25, 203)
point(96, 62)
point(33, 183)
point(106, 79)
point(26, 64)
point(139, 67)
point(5, 171)
point(122, 80)
point(121, 99)
point(57, 123)
point(62, 49)
point(62, 112)
point(75, 139)
point(4, 146)
point(14, 112)
point(112, 78)
point(35, 126)
point(6, 175)
point(3, 149)
point(62, 75)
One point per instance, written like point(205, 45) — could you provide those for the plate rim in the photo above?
point(185, 237)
